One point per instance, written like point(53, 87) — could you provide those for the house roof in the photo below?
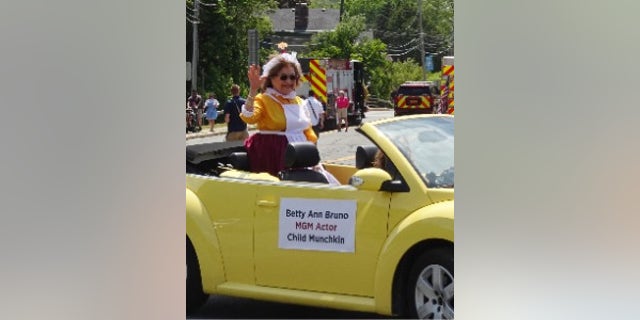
point(319, 20)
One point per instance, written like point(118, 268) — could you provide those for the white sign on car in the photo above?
point(317, 224)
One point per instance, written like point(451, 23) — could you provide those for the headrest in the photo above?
point(365, 156)
point(239, 161)
point(301, 154)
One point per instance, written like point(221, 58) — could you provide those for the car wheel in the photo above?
point(430, 286)
point(195, 296)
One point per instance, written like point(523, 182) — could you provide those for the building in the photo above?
point(295, 26)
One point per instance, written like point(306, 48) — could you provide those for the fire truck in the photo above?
point(414, 97)
point(447, 87)
point(326, 77)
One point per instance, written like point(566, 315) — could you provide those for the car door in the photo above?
point(318, 237)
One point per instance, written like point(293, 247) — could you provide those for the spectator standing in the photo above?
point(195, 103)
point(236, 128)
point(316, 113)
point(211, 110)
point(342, 105)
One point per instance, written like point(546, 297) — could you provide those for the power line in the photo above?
point(192, 16)
point(441, 51)
point(207, 4)
point(404, 34)
point(402, 46)
point(403, 53)
point(429, 45)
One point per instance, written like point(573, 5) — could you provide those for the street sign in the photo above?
point(253, 46)
point(428, 62)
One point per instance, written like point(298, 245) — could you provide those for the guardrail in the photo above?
point(375, 102)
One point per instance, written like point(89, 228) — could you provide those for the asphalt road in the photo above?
point(340, 147)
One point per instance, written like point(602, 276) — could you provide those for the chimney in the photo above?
point(301, 16)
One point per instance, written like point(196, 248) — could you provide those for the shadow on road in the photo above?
point(221, 307)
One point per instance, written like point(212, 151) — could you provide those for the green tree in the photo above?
point(222, 37)
point(326, 4)
point(395, 22)
point(283, 4)
point(340, 43)
point(373, 55)
point(345, 42)
point(223, 30)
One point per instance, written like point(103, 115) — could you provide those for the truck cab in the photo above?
point(414, 97)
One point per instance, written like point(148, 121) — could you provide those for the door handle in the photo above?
point(267, 203)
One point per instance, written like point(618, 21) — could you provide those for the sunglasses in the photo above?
point(292, 77)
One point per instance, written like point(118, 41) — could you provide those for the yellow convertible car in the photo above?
point(379, 239)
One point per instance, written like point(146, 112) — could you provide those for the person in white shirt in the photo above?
point(211, 110)
point(316, 113)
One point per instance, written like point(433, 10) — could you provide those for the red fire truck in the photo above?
point(447, 86)
point(326, 77)
point(414, 97)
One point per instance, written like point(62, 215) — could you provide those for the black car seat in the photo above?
point(365, 156)
point(239, 161)
point(299, 158)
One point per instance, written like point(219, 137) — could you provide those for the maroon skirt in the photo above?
point(266, 152)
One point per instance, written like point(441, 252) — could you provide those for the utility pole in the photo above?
point(422, 53)
point(194, 55)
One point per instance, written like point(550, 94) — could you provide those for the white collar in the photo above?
point(291, 95)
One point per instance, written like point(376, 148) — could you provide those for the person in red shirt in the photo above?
point(342, 105)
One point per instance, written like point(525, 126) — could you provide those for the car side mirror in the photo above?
point(394, 186)
point(370, 179)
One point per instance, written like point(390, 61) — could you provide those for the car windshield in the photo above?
point(428, 144)
point(414, 91)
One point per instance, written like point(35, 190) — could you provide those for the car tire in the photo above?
point(430, 285)
point(195, 296)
